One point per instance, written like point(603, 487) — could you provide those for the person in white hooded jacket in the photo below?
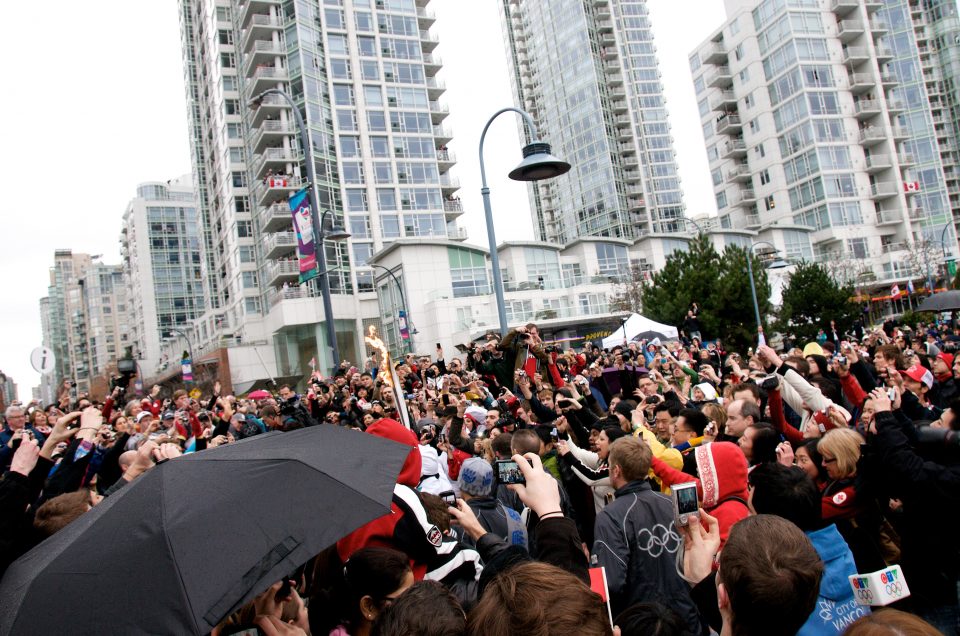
point(592, 468)
point(434, 476)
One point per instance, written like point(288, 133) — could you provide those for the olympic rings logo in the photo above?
point(658, 539)
point(894, 589)
point(864, 594)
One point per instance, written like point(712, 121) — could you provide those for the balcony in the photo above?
point(906, 159)
point(265, 77)
point(883, 53)
point(889, 217)
point(275, 217)
point(264, 52)
point(844, 7)
point(618, 93)
point(889, 79)
point(615, 79)
point(442, 135)
point(282, 271)
point(729, 124)
point(853, 55)
point(867, 108)
point(272, 131)
point(632, 176)
point(752, 221)
point(457, 234)
point(278, 160)
point(723, 100)
point(636, 204)
point(446, 159)
point(900, 133)
point(734, 148)
point(438, 112)
point(432, 64)
point(260, 26)
point(720, 77)
point(849, 30)
point(895, 106)
point(435, 87)
point(277, 188)
point(872, 136)
point(278, 244)
point(714, 53)
point(743, 197)
point(428, 41)
point(740, 173)
point(619, 107)
point(609, 52)
point(449, 184)
point(878, 163)
point(255, 7)
point(883, 190)
point(890, 248)
point(862, 82)
point(631, 162)
point(878, 27)
point(270, 108)
point(918, 214)
point(426, 18)
point(608, 39)
point(452, 209)
point(627, 148)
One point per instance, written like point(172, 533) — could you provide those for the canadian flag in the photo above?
point(911, 186)
point(895, 290)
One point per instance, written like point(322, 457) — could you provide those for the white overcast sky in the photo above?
point(99, 107)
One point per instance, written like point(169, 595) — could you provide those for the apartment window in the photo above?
point(249, 279)
point(367, 46)
point(225, 36)
point(337, 44)
point(769, 203)
point(233, 131)
point(364, 21)
point(334, 18)
point(694, 62)
point(239, 179)
point(612, 259)
point(228, 60)
point(858, 247)
point(247, 254)
point(745, 74)
point(721, 200)
point(748, 101)
point(251, 305)
point(703, 106)
point(349, 146)
point(764, 177)
point(468, 273)
point(717, 176)
point(738, 52)
point(376, 121)
point(369, 70)
point(359, 226)
point(347, 120)
point(351, 172)
point(229, 83)
point(735, 26)
point(356, 200)
point(386, 199)
point(340, 68)
point(373, 96)
point(382, 172)
point(754, 125)
point(759, 150)
point(390, 225)
point(223, 14)
point(379, 147)
point(362, 253)
point(343, 95)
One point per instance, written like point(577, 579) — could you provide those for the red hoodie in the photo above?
point(722, 485)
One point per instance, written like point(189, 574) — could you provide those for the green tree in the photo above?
point(718, 283)
point(730, 313)
point(811, 299)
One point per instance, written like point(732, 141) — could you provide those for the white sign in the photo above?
point(42, 360)
point(879, 588)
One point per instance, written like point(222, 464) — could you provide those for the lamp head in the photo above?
point(336, 234)
point(538, 164)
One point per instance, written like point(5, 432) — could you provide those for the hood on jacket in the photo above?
point(394, 430)
point(723, 472)
point(836, 606)
point(433, 478)
point(708, 390)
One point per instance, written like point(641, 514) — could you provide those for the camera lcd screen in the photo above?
point(508, 472)
point(686, 498)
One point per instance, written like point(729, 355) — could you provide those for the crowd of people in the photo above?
point(812, 463)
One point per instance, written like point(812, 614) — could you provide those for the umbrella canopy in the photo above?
point(635, 327)
point(195, 538)
point(259, 394)
point(944, 301)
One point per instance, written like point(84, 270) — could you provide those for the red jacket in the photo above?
point(722, 485)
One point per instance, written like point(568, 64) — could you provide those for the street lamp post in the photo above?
point(537, 164)
point(403, 301)
point(184, 335)
point(318, 231)
point(753, 285)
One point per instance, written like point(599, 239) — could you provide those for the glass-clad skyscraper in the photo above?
point(587, 73)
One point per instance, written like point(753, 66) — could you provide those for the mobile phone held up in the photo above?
point(508, 472)
point(685, 502)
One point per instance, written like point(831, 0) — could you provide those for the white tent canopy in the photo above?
point(637, 325)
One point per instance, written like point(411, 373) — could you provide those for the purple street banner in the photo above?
point(306, 243)
point(186, 369)
point(404, 328)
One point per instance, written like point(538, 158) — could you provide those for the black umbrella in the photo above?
point(944, 301)
point(195, 538)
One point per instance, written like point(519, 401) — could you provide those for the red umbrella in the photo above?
point(259, 394)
